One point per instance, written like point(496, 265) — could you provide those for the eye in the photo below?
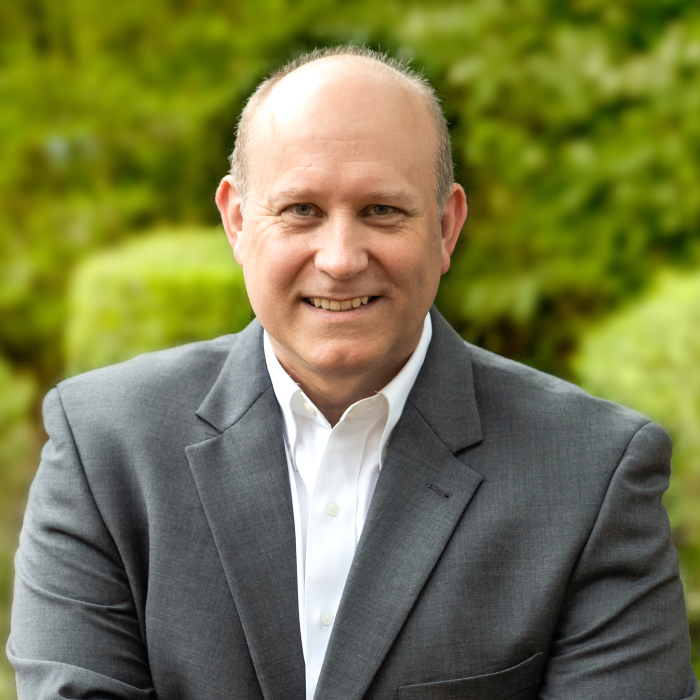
point(382, 210)
point(302, 210)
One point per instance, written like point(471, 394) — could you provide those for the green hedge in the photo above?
point(17, 440)
point(648, 357)
point(163, 289)
point(574, 126)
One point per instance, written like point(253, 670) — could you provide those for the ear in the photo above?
point(451, 223)
point(229, 204)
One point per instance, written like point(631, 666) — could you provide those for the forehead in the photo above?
point(341, 113)
point(338, 85)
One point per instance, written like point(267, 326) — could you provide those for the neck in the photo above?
point(334, 397)
point(334, 392)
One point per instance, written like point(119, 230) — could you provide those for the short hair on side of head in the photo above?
point(443, 168)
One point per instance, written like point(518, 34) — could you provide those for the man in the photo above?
point(352, 503)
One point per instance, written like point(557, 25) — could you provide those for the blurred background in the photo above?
point(576, 133)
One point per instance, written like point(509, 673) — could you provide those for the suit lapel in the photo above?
point(420, 496)
point(242, 479)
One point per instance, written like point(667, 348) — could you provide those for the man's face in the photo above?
point(341, 212)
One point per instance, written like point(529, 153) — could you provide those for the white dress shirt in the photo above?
point(333, 472)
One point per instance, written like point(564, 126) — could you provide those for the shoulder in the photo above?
point(509, 391)
point(497, 375)
point(157, 382)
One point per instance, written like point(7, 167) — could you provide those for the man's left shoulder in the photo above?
point(539, 403)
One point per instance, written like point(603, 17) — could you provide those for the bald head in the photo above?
point(354, 86)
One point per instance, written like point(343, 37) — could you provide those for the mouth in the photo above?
point(336, 305)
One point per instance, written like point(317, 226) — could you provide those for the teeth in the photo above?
point(338, 305)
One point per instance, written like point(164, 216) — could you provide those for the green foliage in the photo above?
point(579, 145)
point(17, 441)
point(574, 127)
point(165, 289)
point(16, 395)
point(646, 357)
point(17, 444)
point(7, 682)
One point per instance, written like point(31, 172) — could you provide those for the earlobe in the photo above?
point(229, 204)
point(451, 223)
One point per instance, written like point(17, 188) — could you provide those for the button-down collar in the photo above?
point(292, 399)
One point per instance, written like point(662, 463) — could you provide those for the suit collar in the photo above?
point(444, 390)
point(242, 480)
point(242, 380)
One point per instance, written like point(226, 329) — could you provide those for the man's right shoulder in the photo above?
point(178, 375)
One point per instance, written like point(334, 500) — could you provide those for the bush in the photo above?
point(646, 357)
point(163, 289)
point(17, 450)
point(574, 126)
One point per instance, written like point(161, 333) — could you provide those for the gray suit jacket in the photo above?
point(157, 557)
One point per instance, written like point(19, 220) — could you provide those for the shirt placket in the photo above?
point(330, 544)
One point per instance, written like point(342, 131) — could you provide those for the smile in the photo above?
point(333, 305)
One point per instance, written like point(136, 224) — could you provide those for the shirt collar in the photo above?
point(396, 392)
point(285, 390)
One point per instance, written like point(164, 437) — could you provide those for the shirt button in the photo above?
point(309, 408)
point(326, 618)
point(332, 509)
point(384, 451)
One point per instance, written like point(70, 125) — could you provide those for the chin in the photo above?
point(341, 358)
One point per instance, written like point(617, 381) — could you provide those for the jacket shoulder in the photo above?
point(527, 392)
point(176, 376)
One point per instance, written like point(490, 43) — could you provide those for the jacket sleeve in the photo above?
point(75, 633)
point(623, 630)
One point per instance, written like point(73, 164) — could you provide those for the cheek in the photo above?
point(270, 271)
point(414, 268)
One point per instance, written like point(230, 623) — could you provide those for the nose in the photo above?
point(341, 251)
